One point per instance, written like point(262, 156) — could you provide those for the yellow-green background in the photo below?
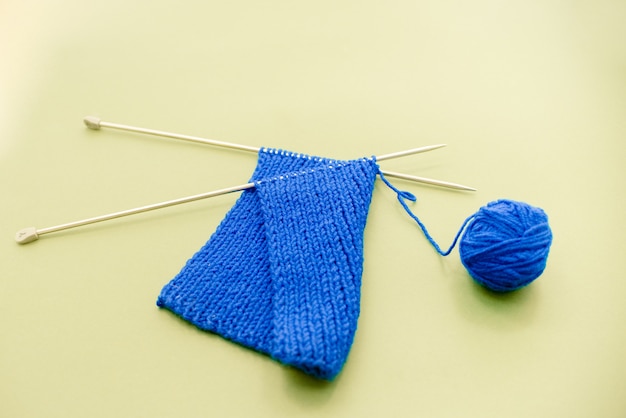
point(530, 97)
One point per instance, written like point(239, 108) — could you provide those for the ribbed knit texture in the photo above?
point(282, 272)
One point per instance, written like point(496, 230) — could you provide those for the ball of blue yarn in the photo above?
point(505, 245)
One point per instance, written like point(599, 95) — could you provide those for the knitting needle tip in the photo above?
point(433, 182)
point(26, 235)
point(92, 122)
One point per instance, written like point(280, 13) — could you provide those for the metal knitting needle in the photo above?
point(95, 123)
point(30, 234)
point(425, 180)
point(26, 235)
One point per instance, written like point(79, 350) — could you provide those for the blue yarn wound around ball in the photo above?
point(506, 244)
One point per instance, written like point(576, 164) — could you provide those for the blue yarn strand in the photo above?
point(403, 196)
point(504, 246)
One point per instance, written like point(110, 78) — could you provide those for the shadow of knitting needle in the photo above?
point(95, 123)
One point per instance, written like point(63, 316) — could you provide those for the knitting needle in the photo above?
point(425, 180)
point(96, 123)
point(30, 234)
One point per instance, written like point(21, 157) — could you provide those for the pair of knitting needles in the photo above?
point(31, 234)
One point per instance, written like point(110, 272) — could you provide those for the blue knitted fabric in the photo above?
point(282, 272)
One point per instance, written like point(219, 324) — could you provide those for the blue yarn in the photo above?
point(403, 196)
point(504, 246)
point(282, 272)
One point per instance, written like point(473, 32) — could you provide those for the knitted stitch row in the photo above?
point(282, 272)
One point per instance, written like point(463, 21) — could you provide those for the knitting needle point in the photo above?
point(30, 234)
point(429, 181)
point(96, 123)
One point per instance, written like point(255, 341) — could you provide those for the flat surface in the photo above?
point(530, 97)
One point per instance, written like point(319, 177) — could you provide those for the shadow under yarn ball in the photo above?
point(506, 244)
